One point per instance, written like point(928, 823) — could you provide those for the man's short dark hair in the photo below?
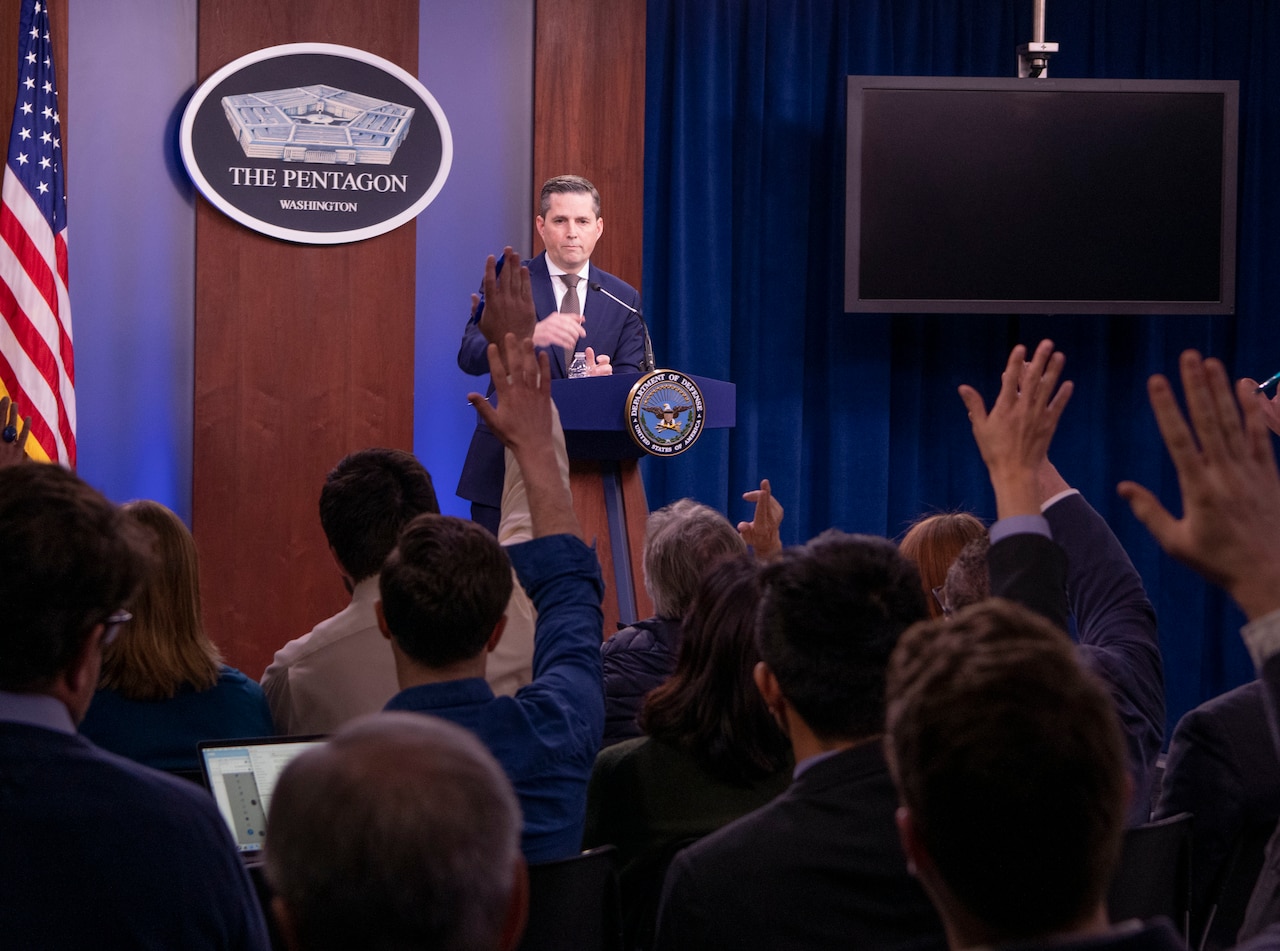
point(367, 498)
point(401, 832)
point(567, 185)
point(830, 615)
point(68, 559)
point(681, 541)
point(1009, 756)
point(444, 588)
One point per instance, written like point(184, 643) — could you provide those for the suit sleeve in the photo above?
point(630, 350)
point(1202, 779)
point(1031, 570)
point(473, 356)
point(1117, 631)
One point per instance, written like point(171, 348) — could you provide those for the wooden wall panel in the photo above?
point(589, 115)
point(589, 120)
point(303, 354)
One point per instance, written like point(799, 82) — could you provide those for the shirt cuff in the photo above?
point(1262, 637)
point(1055, 499)
point(1020, 525)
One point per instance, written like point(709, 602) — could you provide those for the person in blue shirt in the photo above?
point(444, 591)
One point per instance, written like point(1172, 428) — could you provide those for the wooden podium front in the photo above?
point(608, 494)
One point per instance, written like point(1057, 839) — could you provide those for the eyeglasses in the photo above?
point(939, 595)
point(112, 624)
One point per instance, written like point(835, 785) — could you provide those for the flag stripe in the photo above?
point(41, 434)
point(37, 369)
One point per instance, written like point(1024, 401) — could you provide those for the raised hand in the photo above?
point(1228, 479)
point(13, 439)
point(1014, 435)
point(761, 533)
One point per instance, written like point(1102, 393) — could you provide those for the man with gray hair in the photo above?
point(401, 831)
point(681, 541)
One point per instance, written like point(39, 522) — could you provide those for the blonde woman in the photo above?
point(163, 686)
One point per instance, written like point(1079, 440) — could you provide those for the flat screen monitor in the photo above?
point(1044, 196)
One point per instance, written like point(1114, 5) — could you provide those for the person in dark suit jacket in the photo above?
point(1230, 488)
point(1223, 769)
point(609, 333)
point(99, 851)
point(1006, 750)
point(821, 865)
point(1010, 764)
point(1050, 551)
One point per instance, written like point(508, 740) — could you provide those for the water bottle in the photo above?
point(578, 368)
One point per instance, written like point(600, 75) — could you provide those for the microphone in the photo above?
point(648, 344)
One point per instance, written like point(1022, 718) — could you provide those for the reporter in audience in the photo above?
point(712, 751)
point(1230, 489)
point(1010, 767)
point(932, 544)
point(400, 832)
point(820, 866)
point(163, 686)
point(1052, 552)
point(681, 541)
point(98, 851)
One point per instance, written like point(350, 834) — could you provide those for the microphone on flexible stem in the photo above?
point(648, 344)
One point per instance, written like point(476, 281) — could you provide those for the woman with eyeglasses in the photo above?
point(163, 686)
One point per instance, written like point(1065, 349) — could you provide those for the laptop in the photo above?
point(241, 774)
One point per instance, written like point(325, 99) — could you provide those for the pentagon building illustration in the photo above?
point(318, 124)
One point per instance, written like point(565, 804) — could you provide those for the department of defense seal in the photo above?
point(665, 412)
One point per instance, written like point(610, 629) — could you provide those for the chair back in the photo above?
point(1153, 877)
point(574, 904)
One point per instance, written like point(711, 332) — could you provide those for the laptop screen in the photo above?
point(242, 775)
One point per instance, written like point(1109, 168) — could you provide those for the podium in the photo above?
point(608, 494)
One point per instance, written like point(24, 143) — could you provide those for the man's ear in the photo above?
point(81, 676)
point(382, 619)
point(517, 909)
point(496, 636)
point(767, 684)
point(771, 691)
point(909, 836)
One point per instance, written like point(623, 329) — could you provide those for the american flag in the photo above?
point(36, 366)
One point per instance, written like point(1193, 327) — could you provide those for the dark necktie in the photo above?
point(570, 305)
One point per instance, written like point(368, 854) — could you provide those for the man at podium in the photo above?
point(580, 309)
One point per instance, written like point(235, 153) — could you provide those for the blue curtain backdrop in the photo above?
point(855, 418)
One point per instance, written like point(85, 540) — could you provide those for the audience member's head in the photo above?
point(681, 541)
point(567, 185)
point(932, 544)
point(710, 706)
point(969, 577)
point(70, 561)
point(366, 499)
point(401, 832)
point(1011, 770)
point(445, 588)
point(165, 647)
point(830, 614)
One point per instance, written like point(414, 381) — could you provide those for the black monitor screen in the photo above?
point(1040, 196)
